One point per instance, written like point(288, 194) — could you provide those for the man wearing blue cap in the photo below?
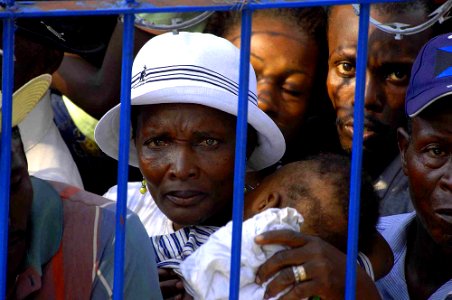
point(422, 241)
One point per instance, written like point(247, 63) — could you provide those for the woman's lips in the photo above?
point(185, 198)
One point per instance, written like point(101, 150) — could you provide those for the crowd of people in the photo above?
point(184, 107)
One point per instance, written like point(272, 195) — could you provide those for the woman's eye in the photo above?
point(346, 69)
point(209, 142)
point(291, 91)
point(156, 142)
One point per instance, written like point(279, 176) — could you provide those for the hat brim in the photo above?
point(26, 97)
point(271, 144)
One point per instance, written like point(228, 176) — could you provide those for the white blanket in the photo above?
point(206, 271)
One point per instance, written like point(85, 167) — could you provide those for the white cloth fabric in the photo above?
point(207, 270)
point(155, 222)
point(47, 155)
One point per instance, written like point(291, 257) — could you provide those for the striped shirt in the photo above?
point(393, 286)
point(171, 249)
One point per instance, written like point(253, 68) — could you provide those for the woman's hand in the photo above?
point(172, 286)
point(324, 265)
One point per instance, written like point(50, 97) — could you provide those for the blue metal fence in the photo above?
point(24, 9)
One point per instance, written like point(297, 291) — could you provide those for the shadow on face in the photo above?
point(427, 161)
point(285, 74)
point(387, 76)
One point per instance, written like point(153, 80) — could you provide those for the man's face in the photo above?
point(387, 76)
point(21, 195)
point(427, 161)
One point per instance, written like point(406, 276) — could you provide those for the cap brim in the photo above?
point(271, 144)
point(416, 105)
point(26, 97)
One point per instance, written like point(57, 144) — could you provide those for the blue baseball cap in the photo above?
point(431, 75)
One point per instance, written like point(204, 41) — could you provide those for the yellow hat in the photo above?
point(26, 98)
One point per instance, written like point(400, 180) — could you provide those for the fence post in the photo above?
point(123, 163)
point(357, 150)
point(240, 153)
point(5, 151)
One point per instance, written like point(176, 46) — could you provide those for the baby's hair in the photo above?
point(335, 169)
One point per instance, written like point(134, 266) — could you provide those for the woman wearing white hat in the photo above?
point(184, 107)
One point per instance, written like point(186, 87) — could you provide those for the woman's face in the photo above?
point(285, 62)
point(186, 154)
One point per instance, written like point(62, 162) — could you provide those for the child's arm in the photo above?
point(380, 256)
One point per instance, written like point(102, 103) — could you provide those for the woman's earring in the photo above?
point(143, 187)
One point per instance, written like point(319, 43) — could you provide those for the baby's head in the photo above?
point(318, 188)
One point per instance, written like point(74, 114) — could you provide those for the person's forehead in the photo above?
point(343, 19)
point(193, 112)
point(277, 28)
point(383, 47)
point(438, 120)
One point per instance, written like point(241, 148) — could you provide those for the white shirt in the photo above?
point(47, 155)
point(153, 219)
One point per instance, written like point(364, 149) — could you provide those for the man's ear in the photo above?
point(271, 200)
point(403, 140)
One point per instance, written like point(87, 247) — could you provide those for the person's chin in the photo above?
point(186, 219)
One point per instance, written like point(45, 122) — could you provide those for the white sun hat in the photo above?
point(193, 68)
point(26, 98)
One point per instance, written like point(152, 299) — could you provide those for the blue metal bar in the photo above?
point(123, 164)
point(5, 151)
point(357, 149)
point(240, 154)
point(79, 8)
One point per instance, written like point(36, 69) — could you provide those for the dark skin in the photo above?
point(387, 76)
point(186, 154)
point(32, 59)
point(324, 262)
point(96, 90)
point(21, 195)
point(322, 212)
point(426, 159)
point(285, 74)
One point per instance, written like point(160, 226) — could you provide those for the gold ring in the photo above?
point(299, 273)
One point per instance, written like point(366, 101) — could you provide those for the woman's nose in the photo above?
point(183, 164)
point(268, 98)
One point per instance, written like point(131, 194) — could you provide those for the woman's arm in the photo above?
point(96, 90)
